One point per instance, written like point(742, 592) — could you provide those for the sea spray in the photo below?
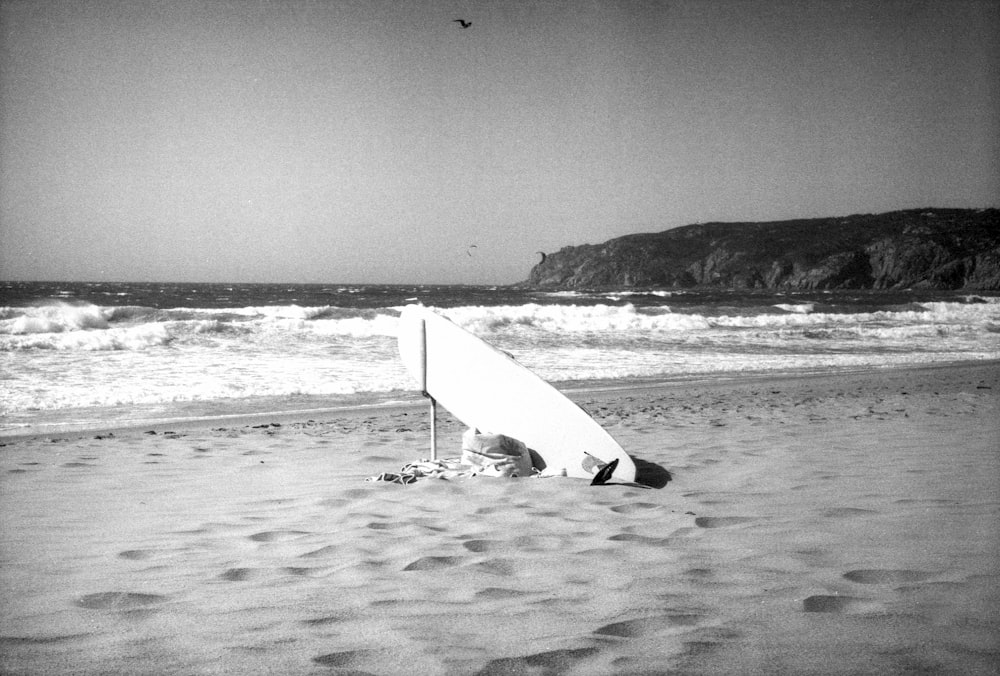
point(123, 345)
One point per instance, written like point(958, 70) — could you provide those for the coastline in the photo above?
point(283, 410)
point(838, 523)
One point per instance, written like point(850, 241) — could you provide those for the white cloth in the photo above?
point(482, 455)
point(496, 454)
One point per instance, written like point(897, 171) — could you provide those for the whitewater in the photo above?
point(73, 346)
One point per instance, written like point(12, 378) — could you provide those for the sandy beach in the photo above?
point(837, 524)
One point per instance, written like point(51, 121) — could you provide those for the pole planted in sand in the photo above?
point(423, 387)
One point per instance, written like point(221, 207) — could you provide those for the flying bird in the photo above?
point(463, 22)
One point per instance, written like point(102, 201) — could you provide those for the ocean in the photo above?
point(79, 353)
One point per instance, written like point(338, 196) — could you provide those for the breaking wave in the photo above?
point(62, 354)
point(91, 327)
point(617, 318)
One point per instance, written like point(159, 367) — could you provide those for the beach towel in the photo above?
point(493, 455)
point(449, 468)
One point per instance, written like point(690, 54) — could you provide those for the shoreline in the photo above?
point(276, 409)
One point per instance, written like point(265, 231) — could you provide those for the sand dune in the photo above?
point(839, 524)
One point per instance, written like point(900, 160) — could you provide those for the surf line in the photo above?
point(423, 387)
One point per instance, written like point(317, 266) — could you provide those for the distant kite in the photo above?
point(544, 256)
point(471, 247)
point(463, 22)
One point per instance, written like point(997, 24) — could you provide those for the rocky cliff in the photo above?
point(919, 248)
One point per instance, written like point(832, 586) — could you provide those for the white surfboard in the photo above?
point(488, 390)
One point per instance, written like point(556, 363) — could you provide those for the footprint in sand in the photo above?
point(641, 539)
point(634, 508)
point(839, 604)
point(118, 600)
point(347, 658)
point(694, 649)
point(299, 571)
point(20, 641)
point(390, 525)
point(948, 587)
point(276, 501)
point(539, 543)
point(500, 593)
point(644, 626)
point(137, 554)
point(334, 502)
point(528, 543)
point(926, 501)
point(329, 550)
point(484, 546)
point(379, 460)
point(238, 574)
point(845, 512)
point(322, 621)
point(699, 573)
point(277, 535)
point(499, 566)
point(355, 493)
point(552, 662)
point(722, 521)
point(884, 576)
point(434, 563)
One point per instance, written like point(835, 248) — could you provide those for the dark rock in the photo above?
point(918, 248)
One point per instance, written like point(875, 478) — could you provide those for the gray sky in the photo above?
point(368, 141)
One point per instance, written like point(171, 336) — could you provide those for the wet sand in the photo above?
point(836, 524)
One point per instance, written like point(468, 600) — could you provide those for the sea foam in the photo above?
point(52, 319)
point(134, 338)
point(56, 355)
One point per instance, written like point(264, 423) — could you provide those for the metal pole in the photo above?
point(434, 446)
point(423, 387)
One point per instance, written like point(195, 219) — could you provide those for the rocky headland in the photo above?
point(917, 248)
